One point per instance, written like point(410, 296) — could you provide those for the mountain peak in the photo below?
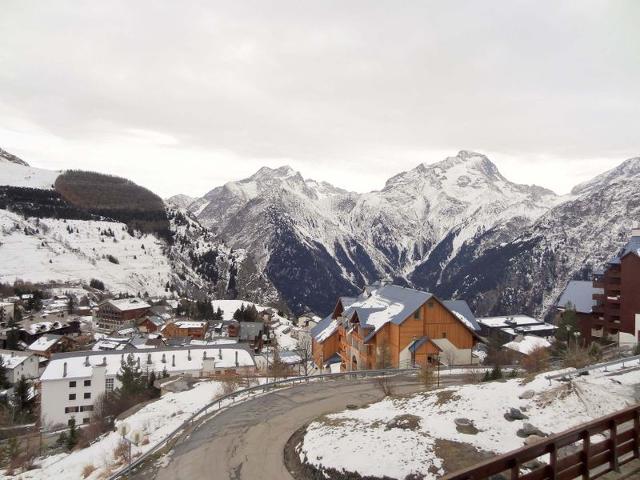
point(12, 158)
point(627, 170)
point(282, 172)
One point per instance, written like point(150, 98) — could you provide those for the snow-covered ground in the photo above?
point(23, 176)
point(154, 422)
point(74, 251)
point(349, 440)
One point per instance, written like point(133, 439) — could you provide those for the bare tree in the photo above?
point(426, 374)
point(304, 350)
point(385, 385)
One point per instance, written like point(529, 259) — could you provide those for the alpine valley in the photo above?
point(457, 228)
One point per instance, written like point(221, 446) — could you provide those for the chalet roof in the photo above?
point(632, 246)
point(125, 304)
point(461, 309)
point(416, 344)
point(579, 293)
point(45, 342)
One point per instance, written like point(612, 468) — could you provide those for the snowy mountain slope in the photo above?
point(44, 238)
point(180, 201)
point(17, 174)
point(528, 273)
point(316, 241)
point(42, 250)
point(9, 157)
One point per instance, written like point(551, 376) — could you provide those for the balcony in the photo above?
point(598, 297)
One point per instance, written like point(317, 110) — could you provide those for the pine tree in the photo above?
point(153, 391)
point(219, 315)
point(4, 382)
point(131, 377)
point(72, 437)
point(21, 396)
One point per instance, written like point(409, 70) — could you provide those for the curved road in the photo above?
point(246, 441)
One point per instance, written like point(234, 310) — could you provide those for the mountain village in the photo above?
point(90, 366)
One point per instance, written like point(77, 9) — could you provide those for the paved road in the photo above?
point(246, 442)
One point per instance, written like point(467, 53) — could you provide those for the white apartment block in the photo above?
point(73, 381)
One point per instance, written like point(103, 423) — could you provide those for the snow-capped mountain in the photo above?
point(528, 272)
point(316, 241)
point(45, 239)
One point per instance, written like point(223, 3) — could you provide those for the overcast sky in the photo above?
point(183, 96)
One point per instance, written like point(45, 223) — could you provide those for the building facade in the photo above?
point(185, 328)
point(115, 314)
point(390, 326)
point(617, 308)
point(71, 382)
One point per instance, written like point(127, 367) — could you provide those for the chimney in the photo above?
point(173, 360)
point(220, 353)
point(104, 361)
point(64, 369)
point(149, 358)
point(86, 361)
point(237, 364)
point(204, 354)
point(164, 358)
point(138, 362)
point(189, 355)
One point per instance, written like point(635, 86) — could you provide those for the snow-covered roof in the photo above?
point(508, 321)
point(44, 343)
point(77, 366)
point(528, 344)
point(461, 310)
point(580, 294)
point(12, 360)
point(324, 329)
point(124, 304)
point(189, 324)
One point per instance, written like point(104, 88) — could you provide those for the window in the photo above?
point(87, 383)
point(416, 314)
point(430, 304)
point(70, 409)
point(87, 395)
point(444, 334)
point(72, 396)
point(86, 408)
point(108, 384)
point(85, 420)
point(72, 384)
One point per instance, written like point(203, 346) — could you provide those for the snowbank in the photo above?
point(349, 440)
point(155, 421)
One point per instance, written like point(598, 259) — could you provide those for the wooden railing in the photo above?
point(587, 451)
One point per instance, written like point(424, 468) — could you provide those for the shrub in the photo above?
point(112, 259)
point(97, 284)
point(121, 452)
point(88, 470)
point(536, 361)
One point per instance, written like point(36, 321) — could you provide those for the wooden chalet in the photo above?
point(390, 327)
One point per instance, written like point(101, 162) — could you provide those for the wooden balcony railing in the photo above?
point(571, 454)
